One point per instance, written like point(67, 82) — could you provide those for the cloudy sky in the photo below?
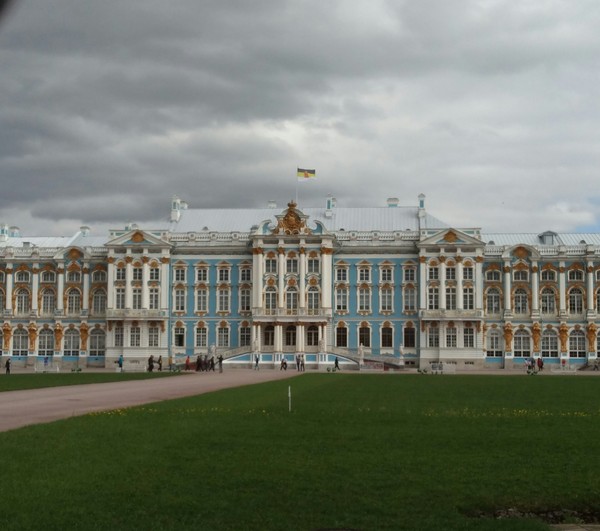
point(489, 107)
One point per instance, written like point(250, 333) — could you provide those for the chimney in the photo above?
point(421, 205)
point(272, 204)
point(393, 202)
point(14, 232)
point(85, 230)
point(175, 208)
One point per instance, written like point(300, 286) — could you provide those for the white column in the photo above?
point(164, 283)
point(422, 284)
point(459, 284)
point(145, 279)
point(9, 287)
point(60, 289)
point(35, 285)
point(85, 303)
point(442, 285)
point(128, 279)
point(110, 287)
point(507, 287)
point(281, 278)
point(326, 280)
point(302, 280)
point(278, 338)
point(562, 293)
point(590, 286)
point(257, 276)
point(300, 338)
point(535, 288)
point(479, 283)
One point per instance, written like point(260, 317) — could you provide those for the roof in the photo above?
point(530, 238)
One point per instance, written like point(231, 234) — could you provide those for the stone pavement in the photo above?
point(22, 408)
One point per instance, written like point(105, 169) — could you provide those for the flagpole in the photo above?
point(297, 185)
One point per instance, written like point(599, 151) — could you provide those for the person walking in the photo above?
point(336, 364)
point(7, 366)
point(159, 363)
point(256, 360)
point(151, 363)
point(120, 363)
point(220, 362)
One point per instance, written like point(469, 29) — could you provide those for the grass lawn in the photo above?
point(364, 452)
point(16, 382)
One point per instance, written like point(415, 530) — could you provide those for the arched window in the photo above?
point(269, 336)
point(521, 301)
point(313, 300)
point(20, 342)
point(493, 301)
point(521, 344)
point(364, 299)
point(364, 336)
point(71, 347)
point(312, 336)
point(409, 338)
point(577, 348)
point(575, 301)
point(548, 301)
point(495, 344)
point(270, 300)
point(493, 275)
point(386, 300)
point(290, 336)
point(549, 344)
point(48, 276)
point(575, 275)
point(99, 302)
point(548, 275)
point(48, 302)
point(99, 276)
point(341, 299)
point(341, 336)
point(74, 276)
point(73, 302)
point(23, 305)
point(46, 342)
point(387, 337)
point(291, 301)
point(223, 336)
point(97, 343)
point(410, 299)
point(22, 276)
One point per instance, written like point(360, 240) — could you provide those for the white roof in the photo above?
point(531, 238)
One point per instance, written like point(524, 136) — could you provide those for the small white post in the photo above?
point(290, 398)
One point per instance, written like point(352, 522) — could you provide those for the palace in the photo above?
point(389, 283)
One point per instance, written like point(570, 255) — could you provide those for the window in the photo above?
point(153, 335)
point(154, 274)
point(387, 298)
point(313, 265)
point(270, 265)
point(223, 300)
point(522, 344)
point(409, 274)
point(202, 274)
point(364, 300)
point(468, 299)
point(575, 301)
point(120, 298)
point(73, 302)
point(99, 302)
point(467, 273)
point(450, 273)
point(118, 335)
point(364, 336)
point(291, 300)
point(179, 336)
point(153, 300)
point(575, 275)
point(433, 337)
point(312, 336)
point(22, 300)
point(341, 300)
point(180, 275)
point(549, 344)
point(292, 265)
point(20, 342)
point(48, 302)
point(71, 343)
point(245, 336)
point(202, 300)
point(597, 301)
point(22, 276)
point(469, 337)
point(46, 343)
point(313, 301)
point(492, 276)
point(433, 299)
point(120, 273)
point(410, 299)
point(341, 336)
point(1, 276)
point(180, 300)
point(521, 301)
point(137, 299)
point(137, 273)
point(494, 344)
point(134, 336)
point(493, 301)
point(223, 275)
point(2, 305)
point(433, 273)
point(341, 274)
point(548, 275)
point(97, 343)
point(577, 348)
point(451, 298)
point(48, 276)
point(364, 274)
point(290, 336)
point(270, 300)
point(387, 337)
point(244, 300)
point(246, 275)
point(201, 337)
point(99, 276)
point(269, 336)
point(410, 338)
point(548, 301)
point(451, 337)
point(386, 275)
point(521, 276)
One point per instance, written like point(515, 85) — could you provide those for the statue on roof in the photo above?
point(292, 222)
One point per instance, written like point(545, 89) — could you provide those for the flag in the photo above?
point(306, 174)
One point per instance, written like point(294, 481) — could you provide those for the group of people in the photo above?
point(151, 363)
point(300, 364)
point(534, 365)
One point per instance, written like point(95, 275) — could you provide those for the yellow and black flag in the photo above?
point(306, 174)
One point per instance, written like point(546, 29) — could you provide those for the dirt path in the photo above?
point(22, 408)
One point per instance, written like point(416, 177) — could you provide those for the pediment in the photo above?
point(137, 238)
point(451, 238)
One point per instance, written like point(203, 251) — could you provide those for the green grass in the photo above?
point(365, 452)
point(16, 382)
